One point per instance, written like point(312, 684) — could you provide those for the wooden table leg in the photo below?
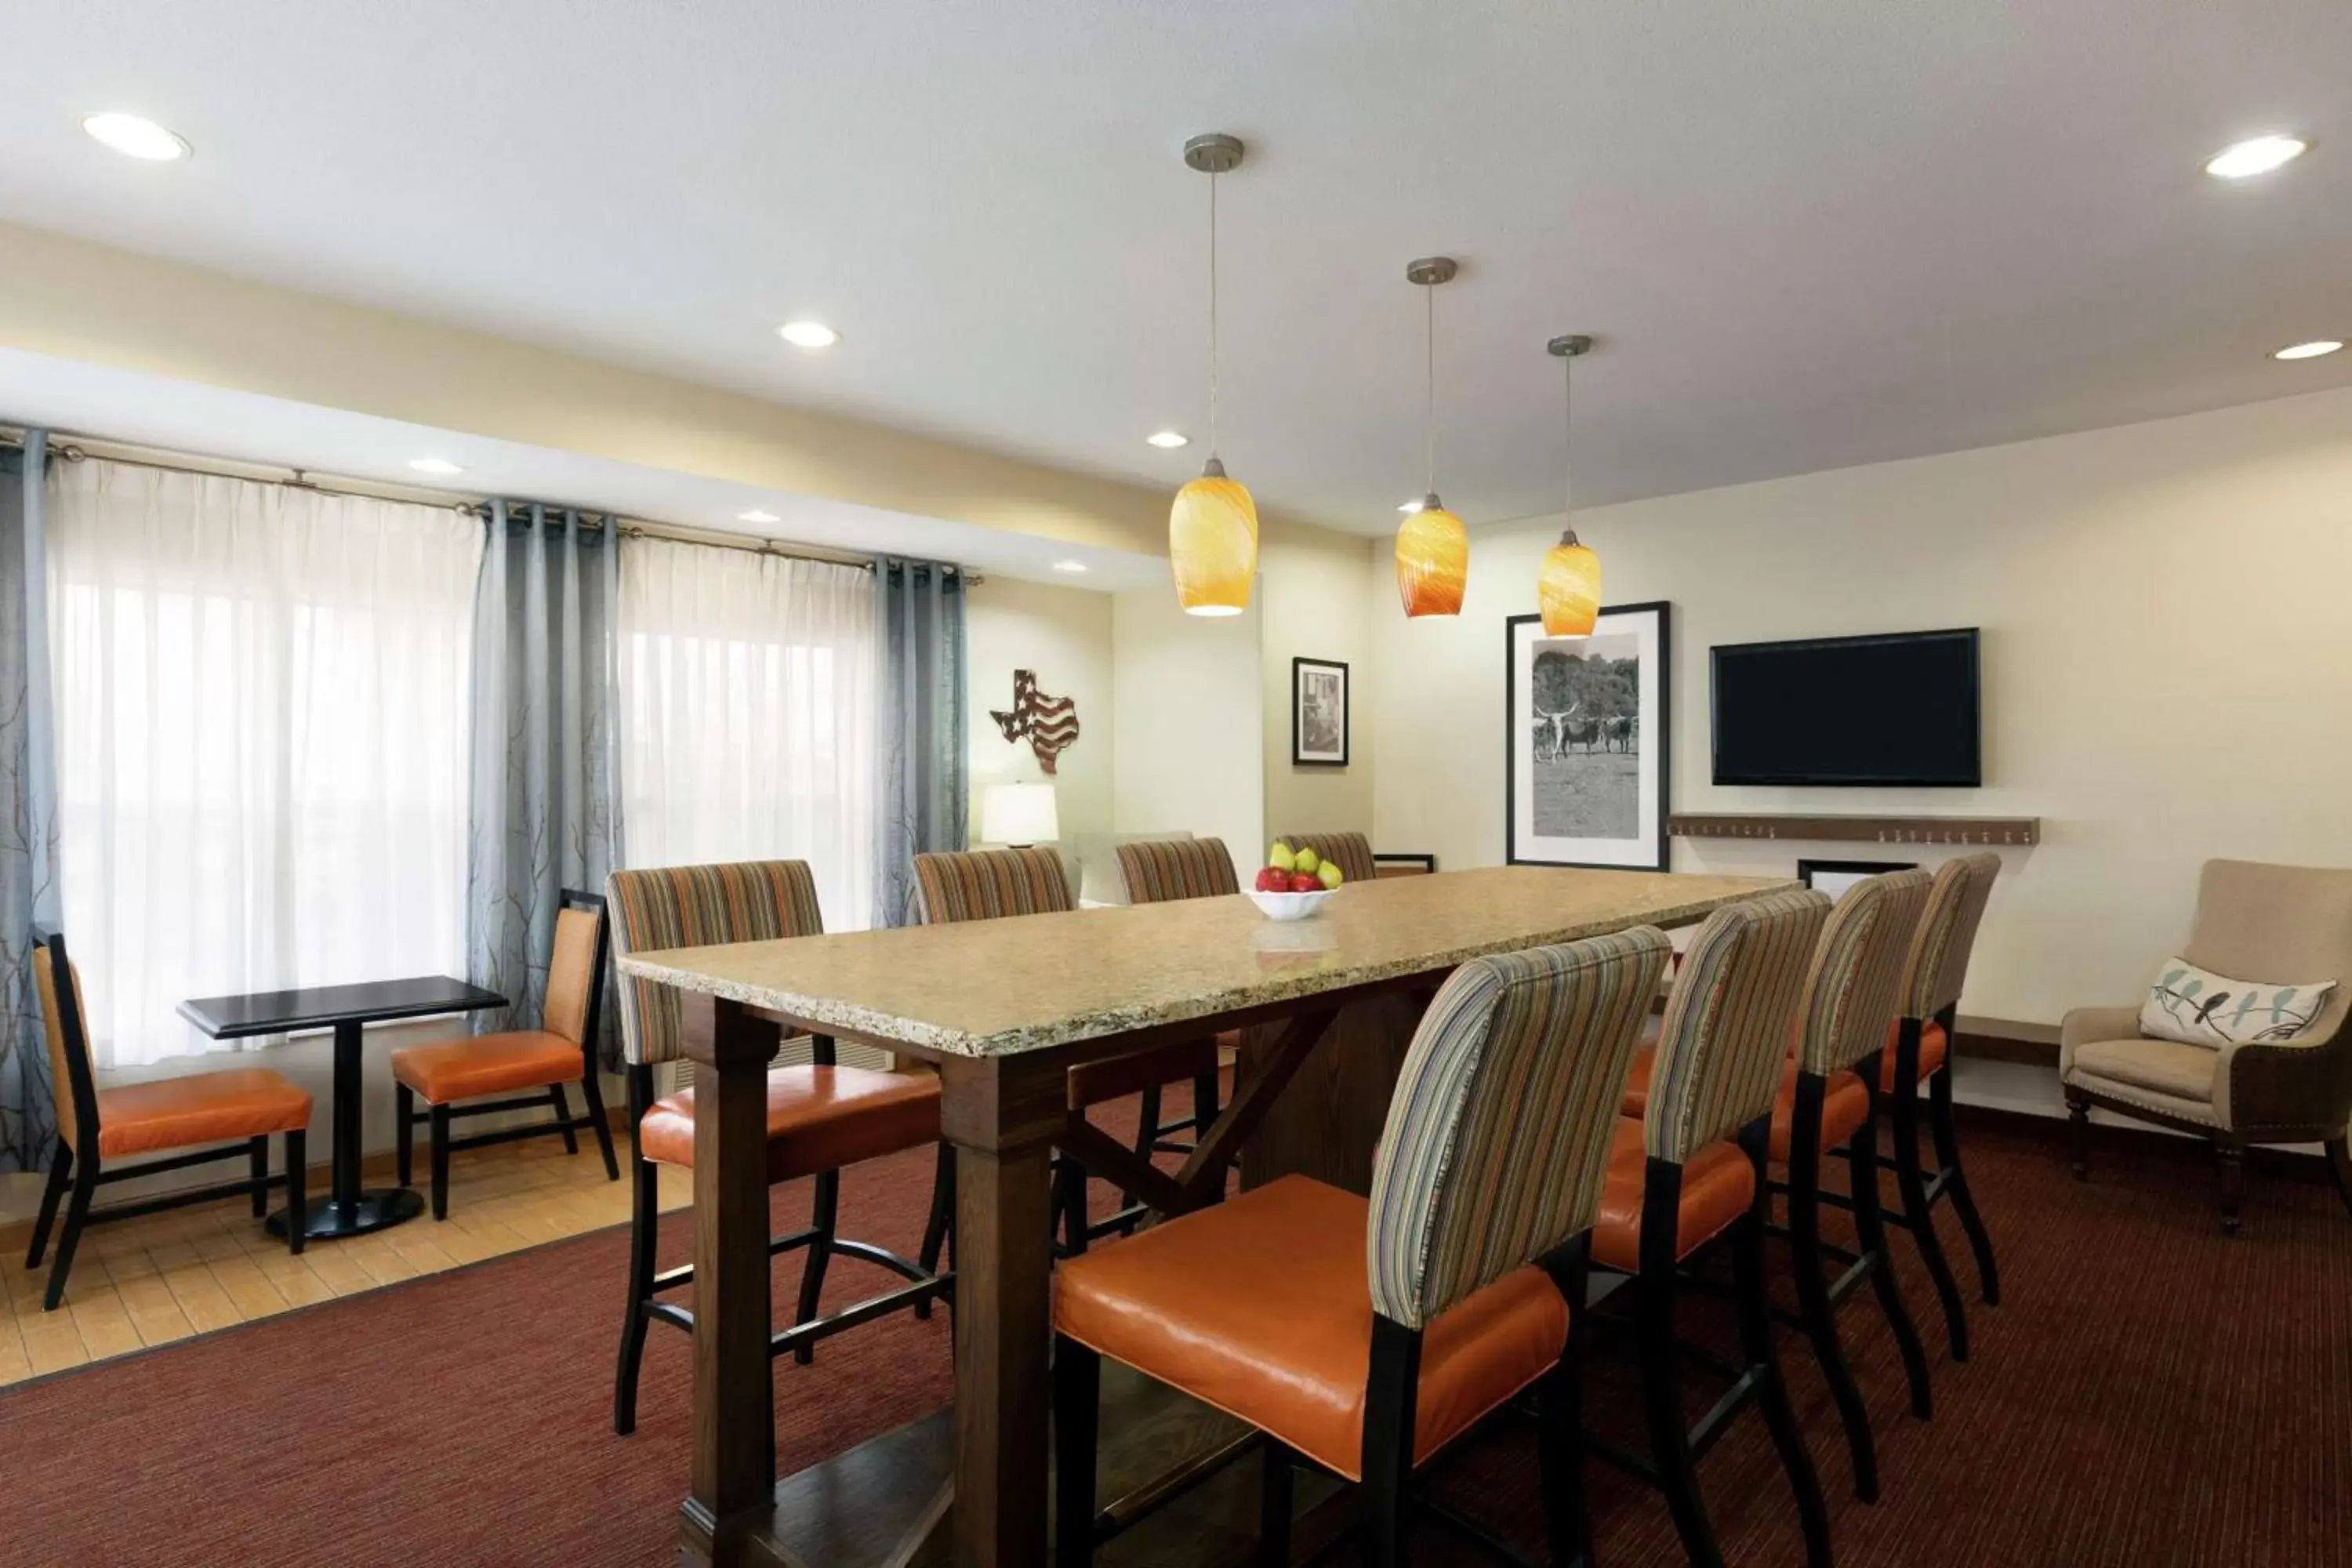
point(734, 1469)
point(1001, 1115)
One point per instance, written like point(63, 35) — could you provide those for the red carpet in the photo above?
point(2151, 1393)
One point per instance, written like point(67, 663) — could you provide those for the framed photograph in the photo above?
point(1589, 718)
point(1834, 877)
point(1318, 714)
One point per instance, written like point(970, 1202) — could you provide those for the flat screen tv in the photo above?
point(1899, 710)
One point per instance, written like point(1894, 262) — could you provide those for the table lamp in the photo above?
point(1018, 814)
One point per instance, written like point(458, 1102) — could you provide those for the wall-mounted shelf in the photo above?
point(2013, 832)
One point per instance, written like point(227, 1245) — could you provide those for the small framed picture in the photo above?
point(1834, 877)
point(1318, 714)
point(1586, 774)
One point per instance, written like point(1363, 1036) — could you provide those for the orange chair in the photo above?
point(1366, 1337)
point(471, 1066)
point(248, 1104)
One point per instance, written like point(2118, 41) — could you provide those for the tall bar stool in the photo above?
point(247, 1105)
point(1825, 1104)
point(1351, 852)
point(1365, 1336)
point(1678, 1183)
point(821, 1116)
point(1919, 1049)
point(520, 1063)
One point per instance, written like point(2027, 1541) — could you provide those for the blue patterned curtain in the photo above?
point(923, 794)
point(29, 808)
point(546, 779)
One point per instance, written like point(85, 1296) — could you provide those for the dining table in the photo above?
point(1002, 1010)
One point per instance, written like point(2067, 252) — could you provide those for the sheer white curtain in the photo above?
point(261, 740)
point(748, 716)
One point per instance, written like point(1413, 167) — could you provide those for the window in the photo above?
point(261, 740)
point(747, 715)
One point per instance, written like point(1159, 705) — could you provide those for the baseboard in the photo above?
point(2006, 1040)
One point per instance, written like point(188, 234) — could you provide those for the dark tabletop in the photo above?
point(317, 1006)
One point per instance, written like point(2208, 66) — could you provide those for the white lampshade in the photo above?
point(1020, 813)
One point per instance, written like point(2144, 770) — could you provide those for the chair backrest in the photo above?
point(1938, 965)
point(1850, 995)
point(574, 1007)
point(57, 980)
point(2280, 924)
point(1160, 869)
point(1725, 1032)
point(1351, 851)
point(1496, 1145)
point(990, 884)
point(698, 905)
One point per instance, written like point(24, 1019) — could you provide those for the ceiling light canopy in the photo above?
point(2308, 350)
point(2258, 155)
point(1432, 548)
point(811, 335)
point(441, 466)
point(1568, 585)
point(756, 515)
point(135, 136)
point(1213, 527)
point(1169, 440)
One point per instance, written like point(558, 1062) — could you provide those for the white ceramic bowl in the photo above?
point(1288, 906)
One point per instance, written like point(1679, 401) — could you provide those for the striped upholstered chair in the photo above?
point(1365, 1336)
point(1353, 852)
point(1826, 1102)
point(1692, 1169)
point(821, 1116)
point(1918, 1051)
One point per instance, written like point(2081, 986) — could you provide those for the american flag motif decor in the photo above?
point(1051, 723)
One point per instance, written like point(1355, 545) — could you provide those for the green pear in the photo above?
point(1280, 858)
point(1308, 860)
point(1331, 874)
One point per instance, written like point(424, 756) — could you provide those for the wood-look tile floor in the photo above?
point(151, 1280)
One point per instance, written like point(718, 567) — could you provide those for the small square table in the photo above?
point(346, 1210)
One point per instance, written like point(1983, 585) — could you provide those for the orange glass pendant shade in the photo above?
point(1212, 543)
point(1432, 562)
point(1570, 588)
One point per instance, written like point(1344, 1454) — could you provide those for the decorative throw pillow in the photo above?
point(2203, 1008)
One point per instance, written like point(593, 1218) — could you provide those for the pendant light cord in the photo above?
point(1568, 441)
point(1212, 316)
point(1428, 297)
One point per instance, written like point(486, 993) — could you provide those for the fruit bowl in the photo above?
point(1288, 906)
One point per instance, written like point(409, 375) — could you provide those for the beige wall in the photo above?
point(1311, 596)
point(1190, 738)
point(2167, 655)
point(1065, 635)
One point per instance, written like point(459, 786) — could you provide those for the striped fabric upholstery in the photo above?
point(1725, 1032)
point(1161, 870)
point(988, 884)
point(1851, 994)
point(1353, 851)
point(1496, 1146)
point(698, 905)
point(1938, 963)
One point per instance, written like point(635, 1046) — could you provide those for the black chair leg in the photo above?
point(1078, 1401)
point(440, 1162)
point(1911, 1182)
point(645, 1232)
point(2340, 1160)
point(824, 1215)
point(60, 1175)
point(297, 1191)
point(1204, 1103)
point(1753, 1308)
point(936, 1229)
point(1391, 1390)
point(600, 1123)
point(1662, 1401)
point(1147, 1128)
point(1275, 1496)
point(1070, 1204)
point(2232, 1160)
point(1955, 1183)
point(555, 1097)
point(258, 1152)
point(1870, 1226)
point(1814, 1307)
point(2078, 1126)
point(85, 1183)
point(1559, 1420)
point(404, 1116)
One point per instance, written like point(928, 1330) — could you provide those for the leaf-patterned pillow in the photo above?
point(2203, 1008)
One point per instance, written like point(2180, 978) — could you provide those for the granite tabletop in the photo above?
point(1001, 986)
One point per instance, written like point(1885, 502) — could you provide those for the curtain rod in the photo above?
point(74, 448)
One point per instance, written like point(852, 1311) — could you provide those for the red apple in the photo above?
point(1302, 882)
point(1270, 880)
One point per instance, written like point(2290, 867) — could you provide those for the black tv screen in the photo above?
point(1899, 710)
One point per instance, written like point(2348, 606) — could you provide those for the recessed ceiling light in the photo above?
point(1069, 565)
point(1169, 440)
point(2258, 156)
point(808, 335)
point(2308, 350)
point(756, 515)
point(1411, 506)
point(441, 466)
point(135, 136)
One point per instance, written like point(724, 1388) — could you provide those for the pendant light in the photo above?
point(1570, 585)
point(1432, 548)
point(1213, 527)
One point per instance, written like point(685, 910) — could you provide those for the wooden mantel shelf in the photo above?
point(2009, 831)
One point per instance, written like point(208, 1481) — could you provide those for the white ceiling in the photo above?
point(1809, 234)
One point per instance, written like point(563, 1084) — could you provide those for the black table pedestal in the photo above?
point(376, 1209)
point(348, 1209)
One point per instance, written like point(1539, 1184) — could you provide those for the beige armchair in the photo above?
point(2255, 923)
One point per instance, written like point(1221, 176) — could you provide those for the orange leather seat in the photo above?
point(1637, 1086)
point(1845, 1105)
point(1116, 1077)
point(450, 1070)
point(1261, 1306)
point(203, 1107)
point(1933, 1048)
point(819, 1118)
point(1718, 1186)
